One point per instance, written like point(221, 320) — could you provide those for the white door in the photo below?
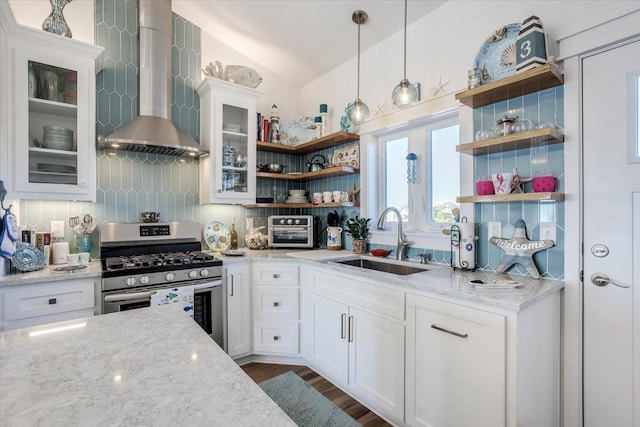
point(611, 237)
point(330, 347)
point(376, 360)
point(238, 310)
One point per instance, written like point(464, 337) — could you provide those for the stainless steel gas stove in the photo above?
point(138, 259)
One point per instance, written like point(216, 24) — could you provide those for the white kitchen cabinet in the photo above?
point(354, 344)
point(64, 96)
point(237, 282)
point(228, 132)
point(276, 309)
point(456, 367)
point(43, 303)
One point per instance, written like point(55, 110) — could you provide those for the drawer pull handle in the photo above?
point(350, 329)
point(52, 301)
point(438, 328)
point(275, 276)
point(275, 304)
point(343, 331)
point(276, 337)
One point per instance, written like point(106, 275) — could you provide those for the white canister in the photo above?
point(334, 238)
point(59, 252)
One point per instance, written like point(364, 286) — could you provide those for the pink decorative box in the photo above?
point(543, 184)
point(484, 188)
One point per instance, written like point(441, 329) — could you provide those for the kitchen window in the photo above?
point(426, 206)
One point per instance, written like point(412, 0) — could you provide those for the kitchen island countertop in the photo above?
point(127, 368)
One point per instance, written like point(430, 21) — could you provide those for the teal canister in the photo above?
point(83, 244)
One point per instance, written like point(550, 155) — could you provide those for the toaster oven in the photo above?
point(291, 231)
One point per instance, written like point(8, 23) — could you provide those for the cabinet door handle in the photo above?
point(275, 276)
point(343, 332)
point(231, 285)
point(52, 301)
point(350, 339)
point(276, 304)
point(276, 337)
point(457, 334)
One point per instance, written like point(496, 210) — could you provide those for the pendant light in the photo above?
point(358, 110)
point(405, 94)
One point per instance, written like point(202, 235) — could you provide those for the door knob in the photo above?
point(601, 279)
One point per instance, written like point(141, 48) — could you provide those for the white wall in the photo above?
point(443, 45)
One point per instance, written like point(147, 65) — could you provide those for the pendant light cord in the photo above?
point(358, 90)
point(405, 41)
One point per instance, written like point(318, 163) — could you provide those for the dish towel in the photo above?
point(182, 295)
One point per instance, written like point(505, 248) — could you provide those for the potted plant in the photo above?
point(358, 229)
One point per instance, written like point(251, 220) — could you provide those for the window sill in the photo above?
point(426, 240)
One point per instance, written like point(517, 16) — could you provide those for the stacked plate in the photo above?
point(292, 199)
point(52, 168)
point(58, 138)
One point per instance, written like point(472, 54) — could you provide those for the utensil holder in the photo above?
point(83, 244)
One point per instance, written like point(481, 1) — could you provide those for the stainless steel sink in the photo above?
point(386, 267)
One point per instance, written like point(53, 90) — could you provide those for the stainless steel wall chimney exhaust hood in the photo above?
point(153, 131)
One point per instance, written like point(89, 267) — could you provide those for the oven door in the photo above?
point(291, 237)
point(207, 304)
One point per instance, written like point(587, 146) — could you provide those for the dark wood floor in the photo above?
point(263, 371)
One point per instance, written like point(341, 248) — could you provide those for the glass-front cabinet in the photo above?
point(228, 132)
point(50, 139)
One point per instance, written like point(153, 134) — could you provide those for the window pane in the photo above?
point(445, 173)
point(396, 187)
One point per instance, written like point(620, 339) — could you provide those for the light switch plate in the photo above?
point(548, 231)
point(495, 229)
point(57, 229)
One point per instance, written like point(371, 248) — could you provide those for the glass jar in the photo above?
point(474, 78)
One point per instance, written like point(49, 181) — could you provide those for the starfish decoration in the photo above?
point(440, 86)
point(379, 109)
point(520, 250)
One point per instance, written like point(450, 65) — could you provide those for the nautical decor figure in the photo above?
point(531, 45)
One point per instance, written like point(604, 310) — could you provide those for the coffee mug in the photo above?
point(502, 182)
point(344, 196)
point(73, 259)
point(317, 198)
point(327, 196)
point(84, 258)
point(337, 196)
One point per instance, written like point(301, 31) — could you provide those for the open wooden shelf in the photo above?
point(302, 205)
point(526, 82)
point(516, 141)
point(328, 141)
point(513, 197)
point(310, 176)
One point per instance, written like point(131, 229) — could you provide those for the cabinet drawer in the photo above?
point(357, 293)
point(270, 303)
point(275, 337)
point(47, 299)
point(275, 274)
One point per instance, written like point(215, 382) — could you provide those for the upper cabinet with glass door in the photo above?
point(228, 132)
point(49, 83)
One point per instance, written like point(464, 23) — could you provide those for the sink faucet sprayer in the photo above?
point(402, 240)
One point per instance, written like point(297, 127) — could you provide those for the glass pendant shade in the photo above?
point(357, 112)
point(404, 95)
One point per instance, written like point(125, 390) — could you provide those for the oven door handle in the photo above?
point(208, 285)
point(127, 297)
point(280, 229)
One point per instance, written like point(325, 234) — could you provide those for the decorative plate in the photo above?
point(297, 131)
point(28, 258)
point(497, 55)
point(217, 236)
point(233, 253)
point(244, 76)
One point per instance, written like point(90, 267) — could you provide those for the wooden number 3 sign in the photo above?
point(531, 48)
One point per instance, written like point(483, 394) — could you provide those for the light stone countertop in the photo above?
point(49, 275)
point(151, 367)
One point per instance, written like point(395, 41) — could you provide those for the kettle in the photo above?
point(316, 166)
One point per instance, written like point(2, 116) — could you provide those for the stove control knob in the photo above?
point(169, 276)
point(130, 281)
point(297, 221)
point(289, 221)
point(144, 280)
point(282, 221)
point(193, 274)
point(204, 272)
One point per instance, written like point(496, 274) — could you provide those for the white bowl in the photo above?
point(297, 193)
